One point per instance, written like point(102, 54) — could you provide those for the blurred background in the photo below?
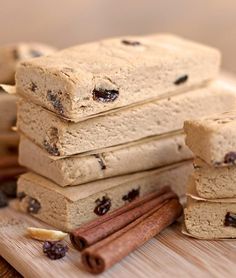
point(65, 23)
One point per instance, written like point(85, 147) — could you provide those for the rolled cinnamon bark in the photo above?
point(111, 222)
point(86, 237)
point(111, 250)
point(7, 161)
point(9, 173)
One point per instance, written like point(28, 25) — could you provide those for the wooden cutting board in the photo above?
point(169, 254)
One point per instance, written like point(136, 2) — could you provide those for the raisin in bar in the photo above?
point(148, 154)
point(89, 79)
point(213, 183)
point(67, 208)
point(209, 219)
point(213, 138)
point(63, 138)
point(12, 54)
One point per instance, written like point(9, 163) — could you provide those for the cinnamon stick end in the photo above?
point(93, 264)
point(78, 242)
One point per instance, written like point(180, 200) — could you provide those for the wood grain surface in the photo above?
point(6, 270)
point(169, 254)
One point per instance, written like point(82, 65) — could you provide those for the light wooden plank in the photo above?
point(169, 254)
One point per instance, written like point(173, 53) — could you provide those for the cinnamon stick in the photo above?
point(9, 173)
point(8, 161)
point(98, 230)
point(109, 251)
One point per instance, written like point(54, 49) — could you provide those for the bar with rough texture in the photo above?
point(89, 79)
point(63, 138)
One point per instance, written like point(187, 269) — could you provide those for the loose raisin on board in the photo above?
point(101, 161)
point(103, 206)
point(104, 95)
point(3, 200)
point(131, 195)
point(230, 158)
point(55, 101)
point(230, 219)
point(55, 250)
point(131, 43)
point(181, 80)
point(33, 206)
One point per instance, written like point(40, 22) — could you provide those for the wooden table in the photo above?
point(7, 271)
point(169, 254)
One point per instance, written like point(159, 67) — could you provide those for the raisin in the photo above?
point(33, 87)
point(33, 206)
point(3, 200)
point(55, 101)
point(103, 205)
point(132, 43)
point(101, 161)
point(55, 250)
point(131, 195)
point(104, 95)
point(51, 148)
point(35, 53)
point(181, 79)
point(230, 219)
point(21, 195)
point(9, 188)
point(230, 158)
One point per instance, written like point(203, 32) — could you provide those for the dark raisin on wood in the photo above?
point(35, 53)
point(3, 200)
point(103, 205)
point(33, 87)
point(21, 195)
point(55, 101)
point(230, 219)
point(9, 188)
point(33, 206)
point(181, 80)
point(55, 250)
point(230, 158)
point(131, 195)
point(131, 43)
point(101, 161)
point(104, 95)
point(51, 148)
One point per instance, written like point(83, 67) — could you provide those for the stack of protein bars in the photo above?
point(211, 206)
point(101, 123)
point(10, 56)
